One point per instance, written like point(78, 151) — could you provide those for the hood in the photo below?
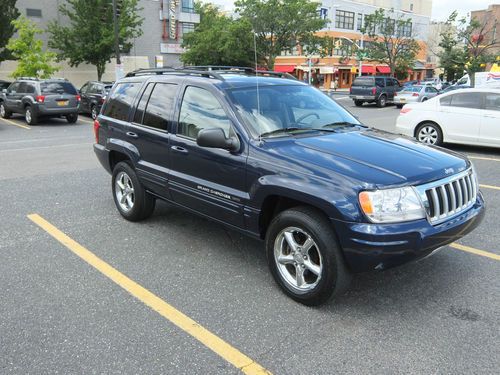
point(369, 156)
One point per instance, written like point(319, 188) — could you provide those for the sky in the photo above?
point(441, 9)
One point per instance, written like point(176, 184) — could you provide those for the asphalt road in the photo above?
point(58, 314)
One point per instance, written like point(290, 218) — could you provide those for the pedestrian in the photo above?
point(335, 84)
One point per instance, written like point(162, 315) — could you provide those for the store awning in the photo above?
point(284, 68)
point(384, 69)
point(368, 69)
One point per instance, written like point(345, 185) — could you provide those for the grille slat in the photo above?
point(450, 196)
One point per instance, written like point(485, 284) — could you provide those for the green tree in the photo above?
point(28, 50)
point(391, 42)
point(279, 24)
point(466, 46)
point(218, 40)
point(8, 14)
point(89, 36)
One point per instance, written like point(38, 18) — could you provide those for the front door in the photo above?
point(208, 180)
point(460, 116)
point(489, 133)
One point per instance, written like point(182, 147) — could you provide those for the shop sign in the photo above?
point(171, 48)
point(172, 15)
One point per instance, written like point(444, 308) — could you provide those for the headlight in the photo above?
point(392, 205)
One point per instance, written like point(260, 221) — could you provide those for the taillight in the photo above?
point(374, 90)
point(96, 130)
point(78, 98)
point(404, 110)
point(40, 98)
point(415, 94)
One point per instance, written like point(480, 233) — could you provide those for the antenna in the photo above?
point(257, 80)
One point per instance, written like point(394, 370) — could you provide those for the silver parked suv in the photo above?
point(36, 98)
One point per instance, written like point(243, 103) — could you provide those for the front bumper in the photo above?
point(379, 246)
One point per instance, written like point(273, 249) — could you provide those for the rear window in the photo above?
point(364, 81)
point(57, 88)
point(120, 100)
point(413, 89)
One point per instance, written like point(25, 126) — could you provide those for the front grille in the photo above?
point(448, 197)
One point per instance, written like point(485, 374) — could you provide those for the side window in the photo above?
point(492, 102)
point(446, 101)
point(390, 82)
point(466, 100)
point(396, 83)
point(30, 88)
point(22, 87)
point(139, 112)
point(201, 110)
point(84, 88)
point(120, 100)
point(160, 106)
point(379, 82)
point(13, 88)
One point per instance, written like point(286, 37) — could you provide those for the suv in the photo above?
point(369, 89)
point(93, 94)
point(36, 98)
point(278, 160)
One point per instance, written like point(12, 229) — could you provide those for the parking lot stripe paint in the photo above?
point(475, 251)
point(188, 325)
point(482, 158)
point(16, 124)
point(490, 187)
point(87, 121)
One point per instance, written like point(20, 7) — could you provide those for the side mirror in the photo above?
point(215, 138)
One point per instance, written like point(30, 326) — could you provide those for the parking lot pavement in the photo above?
point(60, 314)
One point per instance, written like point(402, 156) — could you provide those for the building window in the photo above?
point(187, 28)
point(188, 6)
point(411, 7)
point(34, 12)
point(359, 25)
point(405, 29)
point(344, 20)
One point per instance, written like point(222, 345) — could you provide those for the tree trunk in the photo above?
point(100, 70)
point(472, 79)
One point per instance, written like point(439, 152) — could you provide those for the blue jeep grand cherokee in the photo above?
point(279, 160)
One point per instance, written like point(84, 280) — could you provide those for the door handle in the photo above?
point(132, 135)
point(179, 149)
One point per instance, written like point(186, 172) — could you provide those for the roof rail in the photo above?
point(29, 78)
point(221, 67)
point(161, 71)
point(270, 73)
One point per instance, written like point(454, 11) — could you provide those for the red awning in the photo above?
point(284, 68)
point(368, 69)
point(384, 69)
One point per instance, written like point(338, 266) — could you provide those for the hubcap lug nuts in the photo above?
point(305, 256)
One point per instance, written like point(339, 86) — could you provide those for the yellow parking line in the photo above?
point(16, 124)
point(188, 325)
point(87, 121)
point(490, 187)
point(475, 251)
point(482, 158)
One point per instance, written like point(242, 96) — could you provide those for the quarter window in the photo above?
point(120, 100)
point(160, 106)
point(492, 102)
point(201, 110)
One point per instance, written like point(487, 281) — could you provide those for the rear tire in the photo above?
point(358, 103)
point(72, 118)
point(399, 106)
point(4, 112)
point(30, 117)
point(304, 257)
point(429, 133)
point(131, 199)
point(381, 101)
point(93, 112)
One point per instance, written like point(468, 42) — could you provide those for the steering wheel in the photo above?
point(299, 120)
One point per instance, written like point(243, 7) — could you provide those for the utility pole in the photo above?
point(118, 67)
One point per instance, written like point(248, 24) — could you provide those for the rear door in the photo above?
point(20, 93)
point(390, 88)
point(208, 180)
point(460, 116)
point(59, 95)
point(489, 133)
point(84, 103)
point(11, 97)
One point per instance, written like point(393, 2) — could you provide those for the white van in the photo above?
point(482, 80)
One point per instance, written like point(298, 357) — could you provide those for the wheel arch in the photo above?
point(425, 122)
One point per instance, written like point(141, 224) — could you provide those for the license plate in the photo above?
point(402, 100)
point(62, 103)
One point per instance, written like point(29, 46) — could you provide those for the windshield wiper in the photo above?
point(339, 124)
point(281, 130)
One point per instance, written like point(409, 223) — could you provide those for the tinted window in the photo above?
point(22, 87)
point(139, 112)
point(13, 87)
point(445, 101)
point(30, 88)
point(363, 81)
point(160, 106)
point(84, 88)
point(120, 100)
point(492, 102)
point(57, 88)
point(379, 82)
point(413, 89)
point(201, 110)
point(466, 100)
point(430, 89)
point(390, 82)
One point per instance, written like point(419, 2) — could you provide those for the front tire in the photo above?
point(131, 199)
point(429, 133)
point(4, 112)
point(358, 103)
point(72, 118)
point(30, 117)
point(304, 257)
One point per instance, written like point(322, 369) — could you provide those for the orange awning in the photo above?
point(368, 69)
point(384, 69)
point(284, 68)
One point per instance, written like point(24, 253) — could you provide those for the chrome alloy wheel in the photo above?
point(2, 110)
point(124, 191)
point(94, 112)
point(28, 116)
point(428, 134)
point(298, 259)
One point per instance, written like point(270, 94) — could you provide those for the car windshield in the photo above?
point(57, 88)
point(413, 89)
point(279, 109)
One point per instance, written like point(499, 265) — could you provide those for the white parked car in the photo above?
point(467, 116)
point(414, 94)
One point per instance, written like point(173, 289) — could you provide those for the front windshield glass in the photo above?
point(288, 107)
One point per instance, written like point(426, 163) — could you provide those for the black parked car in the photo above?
point(278, 160)
point(4, 85)
point(373, 89)
point(36, 98)
point(93, 94)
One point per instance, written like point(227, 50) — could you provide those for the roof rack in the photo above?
point(28, 78)
point(271, 73)
point(225, 68)
point(161, 71)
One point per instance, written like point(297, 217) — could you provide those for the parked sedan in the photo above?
point(93, 94)
point(414, 94)
point(468, 116)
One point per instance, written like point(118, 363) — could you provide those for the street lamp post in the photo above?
point(118, 67)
